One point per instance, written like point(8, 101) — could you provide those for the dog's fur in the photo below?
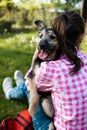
point(47, 49)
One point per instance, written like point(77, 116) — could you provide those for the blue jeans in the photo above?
point(40, 120)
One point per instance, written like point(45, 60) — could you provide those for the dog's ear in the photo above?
point(40, 24)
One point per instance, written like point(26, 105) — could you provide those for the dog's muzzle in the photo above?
point(45, 45)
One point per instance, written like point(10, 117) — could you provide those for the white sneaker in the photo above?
point(18, 77)
point(7, 86)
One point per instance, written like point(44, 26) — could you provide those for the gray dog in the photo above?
point(47, 48)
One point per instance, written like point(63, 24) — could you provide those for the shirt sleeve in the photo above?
point(44, 76)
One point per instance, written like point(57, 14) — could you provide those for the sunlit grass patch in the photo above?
point(84, 44)
point(16, 52)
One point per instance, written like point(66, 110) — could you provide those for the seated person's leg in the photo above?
point(40, 120)
point(18, 77)
point(14, 92)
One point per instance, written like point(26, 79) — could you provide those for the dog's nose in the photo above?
point(43, 44)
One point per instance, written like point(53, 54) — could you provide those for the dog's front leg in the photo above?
point(47, 106)
point(35, 56)
point(34, 97)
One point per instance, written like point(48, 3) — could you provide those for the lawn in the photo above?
point(16, 50)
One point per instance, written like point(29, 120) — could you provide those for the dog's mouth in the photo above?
point(43, 54)
point(45, 49)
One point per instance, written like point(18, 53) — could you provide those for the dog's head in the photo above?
point(47, 42)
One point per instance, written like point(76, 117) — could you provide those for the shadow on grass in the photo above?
point(16, 31)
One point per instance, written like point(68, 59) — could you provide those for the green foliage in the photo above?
point(7, 4)
point(72, 2)
point(24, 15)
point(69, 4)
point(5, 26)
point(6, 20)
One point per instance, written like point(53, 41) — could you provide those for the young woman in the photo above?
point(66, 77)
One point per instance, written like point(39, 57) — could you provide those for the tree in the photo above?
point(84, 11)
point(6, 19)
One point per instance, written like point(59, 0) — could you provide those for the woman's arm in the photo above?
point(44, 76)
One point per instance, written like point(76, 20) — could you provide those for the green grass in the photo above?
point(84, 44)
point(16, 52)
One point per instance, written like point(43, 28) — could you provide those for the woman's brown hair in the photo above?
point(68, 26)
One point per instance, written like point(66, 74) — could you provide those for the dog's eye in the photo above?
point(53, 36)
point(40, 35)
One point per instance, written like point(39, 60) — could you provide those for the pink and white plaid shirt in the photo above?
point(69, 92)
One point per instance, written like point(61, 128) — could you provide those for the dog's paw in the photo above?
point(51, 126)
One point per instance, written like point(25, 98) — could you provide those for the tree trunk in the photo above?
point(84, 11)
